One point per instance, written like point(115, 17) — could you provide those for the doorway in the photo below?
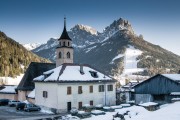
point(68, 106)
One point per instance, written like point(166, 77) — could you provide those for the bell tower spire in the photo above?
point(65, 22)
point(64, 52)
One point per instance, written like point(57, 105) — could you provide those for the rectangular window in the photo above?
point(80, 105)
point(101, 88)
point(110, 87)
point(91, 102)
point(69, 90)
point(91, 89)
point(45, 94)
point(79, 89)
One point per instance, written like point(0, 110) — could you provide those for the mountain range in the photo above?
point(116, 51)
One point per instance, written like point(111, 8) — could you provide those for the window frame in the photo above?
point(68, 55)
point(80, 105)
point(101, 88)
point(91, 89)
point(80, 91)
point(69, 90)
point(45, 94)
point(110, 87)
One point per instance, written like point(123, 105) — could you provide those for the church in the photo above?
point(69, 85)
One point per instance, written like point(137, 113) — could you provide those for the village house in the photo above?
point(26, 85)
point(72, 85)
point(8, 92)
point(162, 88)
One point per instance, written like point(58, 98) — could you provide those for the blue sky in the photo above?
point(32, 21)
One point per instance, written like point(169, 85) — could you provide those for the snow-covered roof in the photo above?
point(32, 94)
point(175, 77)
point(175, 93)
point(8, 89)
point(71, 72)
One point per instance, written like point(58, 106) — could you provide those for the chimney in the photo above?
point(81, 69)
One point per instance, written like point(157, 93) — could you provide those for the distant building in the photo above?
point(8, 92)
point(161, 88)
point(125, 94)
point(72, 85)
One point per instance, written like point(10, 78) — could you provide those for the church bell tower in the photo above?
point(64, 52)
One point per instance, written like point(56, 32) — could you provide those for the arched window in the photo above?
point(60, 55)
point(68, 43)
point(68, 55)
point(64, 44)
point(60, 43)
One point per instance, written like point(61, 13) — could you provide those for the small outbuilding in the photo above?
point(8, 92)
point(159, 89)
point(27, 85)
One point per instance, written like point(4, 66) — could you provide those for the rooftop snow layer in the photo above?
point(175, 77)
point(8, 89)
point(71, 72)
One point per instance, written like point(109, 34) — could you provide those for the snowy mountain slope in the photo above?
point(117, 50)
point(31, 46)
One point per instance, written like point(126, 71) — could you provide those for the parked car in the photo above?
point(20, 106)
point(82, 114)
point(12, 103)
point(31, 107)
point(97, 112)
point(4, 101)
point(74, 111)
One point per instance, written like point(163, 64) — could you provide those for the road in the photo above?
point(8, 113)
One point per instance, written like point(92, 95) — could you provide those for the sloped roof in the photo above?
point(69, 72)
point(64, 35)
point(172, 77)
point(175, 77)
point(35, 69)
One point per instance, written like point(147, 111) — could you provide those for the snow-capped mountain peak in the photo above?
point(86, 28)
point(31, 46)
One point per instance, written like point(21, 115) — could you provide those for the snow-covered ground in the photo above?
point(167, 112)
point(10, 80)
point(117, 57)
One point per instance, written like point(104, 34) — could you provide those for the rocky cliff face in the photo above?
point(109, 50)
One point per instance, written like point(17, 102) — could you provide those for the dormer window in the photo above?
point(47, 74)
point(94, 74)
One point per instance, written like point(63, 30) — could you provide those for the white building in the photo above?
point(67, 86)
point(72, 85)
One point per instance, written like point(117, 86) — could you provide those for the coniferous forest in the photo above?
point(14, 58)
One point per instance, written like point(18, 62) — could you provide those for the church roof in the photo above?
point(69, 72)
point(35, 69)
point(64, 34)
